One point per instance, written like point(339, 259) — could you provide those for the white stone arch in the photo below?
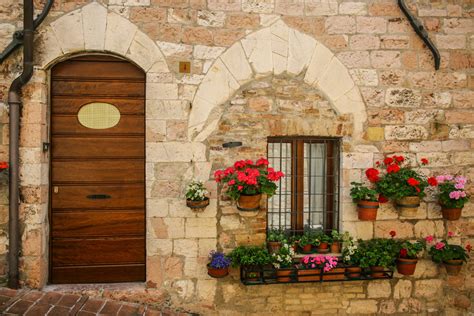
point(275, 49)
point(94, 29)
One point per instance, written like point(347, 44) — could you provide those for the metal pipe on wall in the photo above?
point(14, 102)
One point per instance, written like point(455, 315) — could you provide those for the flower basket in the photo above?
point(406, 266)
point(284, 275)
point(367, 210)
point(197, 206)
point(453, 267)
point(217, 273)
point(451, 214)
point(249, 203)
point(335, 274)
point(408, 206)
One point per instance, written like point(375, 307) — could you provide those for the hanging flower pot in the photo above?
point(367, 210)
point(406, 266)
point(197, 206)
point(453, 267)
point(249, 202)
point(408, 205)
point(451, 214)
point(217, 273)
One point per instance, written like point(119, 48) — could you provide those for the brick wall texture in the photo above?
point(380, 94)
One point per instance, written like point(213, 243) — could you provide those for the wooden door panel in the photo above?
point(97, 210)
point(98, 70)
point(101, 223)
point(98, 147)
point(126, 196)
point(99, 274)
point(72, 104)
point(69, 125)
point(98, 251)
point(98, 88)
point(121, 171)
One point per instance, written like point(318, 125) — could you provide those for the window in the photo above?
point(308, 195)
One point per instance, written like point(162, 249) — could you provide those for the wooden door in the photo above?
point(97, 212)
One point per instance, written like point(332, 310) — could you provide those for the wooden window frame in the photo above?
point(332, 156)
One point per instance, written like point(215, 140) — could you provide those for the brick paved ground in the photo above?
point(36, 303)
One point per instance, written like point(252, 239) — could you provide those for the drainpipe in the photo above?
point(14, 102)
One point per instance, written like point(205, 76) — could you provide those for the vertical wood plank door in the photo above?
point(97, 212)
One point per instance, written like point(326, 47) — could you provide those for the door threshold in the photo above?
point(127, 286)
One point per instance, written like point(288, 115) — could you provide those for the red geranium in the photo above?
point(382, 199)
point(372, 174)
point(3, 165)
point(399, 158)
point(432, 181)
point(424, 161)
point(387, 161)
point(393, 168)
point(413, 182)
point(403, 253)
point(393, 233)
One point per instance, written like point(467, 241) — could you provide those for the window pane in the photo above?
point(279, 205)
point(314, 184)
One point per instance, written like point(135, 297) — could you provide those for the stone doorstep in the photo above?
point(58, 300)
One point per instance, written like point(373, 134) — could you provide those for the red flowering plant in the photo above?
point(400, 180)
point(248, 178)
point(3, 166)
point(408, 249)
point(362, 192)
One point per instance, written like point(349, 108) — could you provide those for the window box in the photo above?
point(255, 275)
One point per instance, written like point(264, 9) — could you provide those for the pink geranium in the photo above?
point(439, 245)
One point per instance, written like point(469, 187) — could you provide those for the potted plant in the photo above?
point(408, 256)
point(251, 257)
point(283, 262)
point(275, 238)
point(305, 242)
point(196, 196)
point(451, 256)
point(351, 258)
point(378, 254)
point(218, 266)
point(247, 181)
point(336, 241)
point(451, 195)
point(402, 184)
point(367, 201)
point(310, 268)
point(322, 242)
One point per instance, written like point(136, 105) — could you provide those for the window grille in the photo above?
point(308, 195)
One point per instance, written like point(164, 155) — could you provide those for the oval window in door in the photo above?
point(99, 115)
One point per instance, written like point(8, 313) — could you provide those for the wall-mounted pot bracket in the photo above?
point(421, 31)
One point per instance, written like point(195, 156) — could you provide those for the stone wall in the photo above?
point(263, 68)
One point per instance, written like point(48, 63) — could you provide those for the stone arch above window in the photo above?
point(276, 49)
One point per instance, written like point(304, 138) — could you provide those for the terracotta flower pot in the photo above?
point(336, 247)
point(309, 275)
point(273, 246)
point(323, 247)
point(353, 272)
point(367, 210)
point(306, 248)
point(249, 202)
point(284, 275)
point(197, 206)
point(453, 267)
point(377, 272)
point(406, 266)
point(408, 206)
point(217, 273)
point(451, 214)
